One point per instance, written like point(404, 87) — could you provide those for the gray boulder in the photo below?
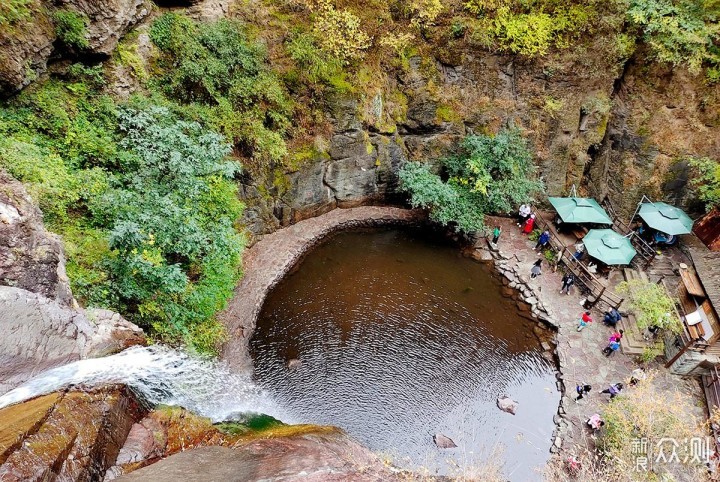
point(507, 404)
point(39, 334)
point(443, 441)
point(31, 258)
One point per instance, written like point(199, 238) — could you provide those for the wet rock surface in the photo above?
point(66, 436)
point(313, 457)
point(39, 334)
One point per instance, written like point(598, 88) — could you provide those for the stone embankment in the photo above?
point(271, 258)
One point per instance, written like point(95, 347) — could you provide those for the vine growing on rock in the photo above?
point(490, 174)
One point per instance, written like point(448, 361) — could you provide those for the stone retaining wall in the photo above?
point(271, 258)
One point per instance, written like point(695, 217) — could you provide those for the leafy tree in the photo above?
point(490, 174)
point(707, 181)
point(170, 211)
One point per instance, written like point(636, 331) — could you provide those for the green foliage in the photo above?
point(679, 32)
point(650, 304)
point(222, 79)
point(71, 28)
point(490, 174)
point(706, 181)
point(145, 202)
point(651, 352)
point(339, 31)
point(14, 11)
point(531, 27)
point(315, 64)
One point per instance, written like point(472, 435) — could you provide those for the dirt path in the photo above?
point(271, 258)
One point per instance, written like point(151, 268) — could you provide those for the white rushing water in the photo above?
point(163, 376)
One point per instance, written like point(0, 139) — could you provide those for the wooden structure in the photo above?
point(645, 252)
point(597, 291)
point(707, 229)
point(696, 351)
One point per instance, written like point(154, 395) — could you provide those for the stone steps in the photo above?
point(633, 342)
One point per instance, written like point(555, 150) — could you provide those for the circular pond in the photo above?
point(398, 337)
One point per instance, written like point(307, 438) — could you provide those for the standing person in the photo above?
point(523, 214)
point(579, 251)
point(567, 281)
point(543, 240)
point(637, 375)
point(582, 390)
point(536, 269)
point(617, 335)
point(585, 319)
point(496, 234)
point(613, 390)
point(529, 224)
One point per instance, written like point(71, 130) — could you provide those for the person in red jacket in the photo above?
point(529, 224)
point(585, 319)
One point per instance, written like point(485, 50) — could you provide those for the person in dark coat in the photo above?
point(543, 240)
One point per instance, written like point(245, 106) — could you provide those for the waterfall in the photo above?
point(161, 375)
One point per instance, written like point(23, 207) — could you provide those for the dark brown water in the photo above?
point(398, 338)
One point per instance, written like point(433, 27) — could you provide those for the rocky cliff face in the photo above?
point(27, 46)
point(31, 258)
point(39, 334)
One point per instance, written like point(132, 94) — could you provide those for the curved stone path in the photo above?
point(271, 258)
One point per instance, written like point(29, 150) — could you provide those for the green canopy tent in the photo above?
point(609, 247)
point(665, 218)
point(579, 210)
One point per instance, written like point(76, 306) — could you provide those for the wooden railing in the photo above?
point(597, 292)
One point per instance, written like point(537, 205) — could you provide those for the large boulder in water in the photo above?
point(66, 436)
point(40, 334)
point(507, 404)
point(443, 441)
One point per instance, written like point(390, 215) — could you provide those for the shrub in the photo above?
point(653, 415)
point(314, 63)
point(706, 181)
point(71, 28)
point(222, 78)
point(423, 12)
point(650, 304)
point(529, 27)
point(490, 174)
point(339, 31)
point(679, 32)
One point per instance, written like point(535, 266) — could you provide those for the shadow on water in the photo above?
point(394, 337)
